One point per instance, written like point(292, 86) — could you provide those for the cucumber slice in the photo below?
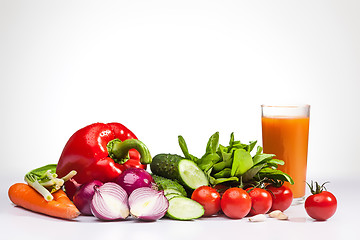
point(191, 175)
point(182, 208)
point(172, 191)
point(169, 185)
point(171, 195)
point(178, 168)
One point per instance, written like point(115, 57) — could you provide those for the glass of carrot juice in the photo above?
point(285, 133)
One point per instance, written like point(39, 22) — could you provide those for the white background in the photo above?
point(169, 68)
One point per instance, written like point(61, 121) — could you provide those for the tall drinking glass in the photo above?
point(285, 133)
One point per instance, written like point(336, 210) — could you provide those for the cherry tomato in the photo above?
point(236, 203)
point(220, 188)
point(322, 204)
point(282, 197)
point(261, 201)
point(209, 198)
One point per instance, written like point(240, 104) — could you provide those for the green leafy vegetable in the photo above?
point(251, 173)
point(185, 150)
point(210, 158)
point(208, 161)
point(275, 174)
point(241, 163)
point(234, 164)
point(213, 143)
point(262, 157)
point(225, 173)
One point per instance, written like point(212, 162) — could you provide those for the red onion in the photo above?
point(148, 204)
point(82, 198)
point(110, 202)
point(134, 178)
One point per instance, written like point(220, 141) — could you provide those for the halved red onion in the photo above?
point(83, 197)
point(110, 202)
point(148, 204)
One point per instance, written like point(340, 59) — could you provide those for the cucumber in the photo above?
point(165, 165)
point(175, 167)
point(171, 195)
point(183, 208)
point(169, 191)
point(169, 186)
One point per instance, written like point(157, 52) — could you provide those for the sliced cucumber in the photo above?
point(178, 168)
point(172, 191)
point(169, 186)
point(171, 195)
point(191, 175)
point(182, 208)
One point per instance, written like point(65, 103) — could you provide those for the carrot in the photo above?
point(25, 196)
point(61, 197)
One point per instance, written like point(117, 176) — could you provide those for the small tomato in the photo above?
point(261, 201)
point(282, 197)
point(235, 203)
point(321, 205)
point(209, 198)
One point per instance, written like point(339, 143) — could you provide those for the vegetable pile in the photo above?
point(102, 173)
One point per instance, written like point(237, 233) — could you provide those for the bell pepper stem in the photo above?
point(119, 150)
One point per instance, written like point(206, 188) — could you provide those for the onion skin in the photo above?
point(82, 198)
point(148, 204)
point(110, 202)
point(134, 178)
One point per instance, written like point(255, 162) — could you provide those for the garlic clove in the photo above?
point(278, 215)
point(282, 216)
point(275, 213)
point(258, 218)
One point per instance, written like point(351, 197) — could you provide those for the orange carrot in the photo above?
point(25, 196)
point(61, 197)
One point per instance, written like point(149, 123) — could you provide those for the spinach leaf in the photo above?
point(207, 161)
point(275, 174)
point(219, 166)
point(231, 142)
point(213, 143)
point(275, 161)
point(235, 144)
point(241, 163)
point(185, 150)
point(225, 173)
point(222, 180)
point(258, 150)
point(251, 145)
point(225, 155)
point(250, 174)
point(211, 157)
point(260, 158)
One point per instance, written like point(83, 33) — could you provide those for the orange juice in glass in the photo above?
point(285, 133)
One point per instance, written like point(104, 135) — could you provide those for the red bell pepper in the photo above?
point(100, 152)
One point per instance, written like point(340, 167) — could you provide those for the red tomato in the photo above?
point(261, 201)
point(321, 206)
point(221, 188)
point(235, 203)
point(282, 197)
point(209, 198)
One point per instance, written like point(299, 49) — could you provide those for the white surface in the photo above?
point(17, 223)
point(165, 68)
